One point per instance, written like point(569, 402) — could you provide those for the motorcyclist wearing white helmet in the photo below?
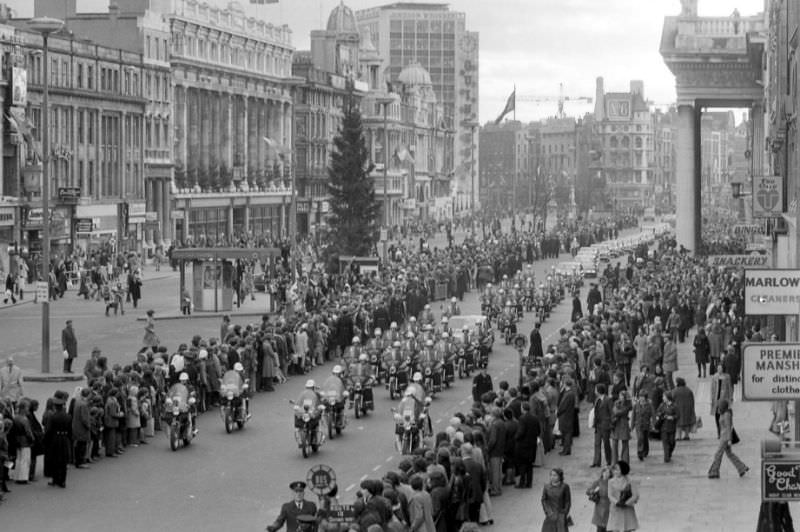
point(245, 387)
point(183, 381)
point(452, 307)
point(333, 386)
point(426, 316)
point(309, 402)
point(351, 353)
point(361, 372)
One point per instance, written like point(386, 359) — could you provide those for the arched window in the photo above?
point(639, 142)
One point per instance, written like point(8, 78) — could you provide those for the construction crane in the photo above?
point(561, 99)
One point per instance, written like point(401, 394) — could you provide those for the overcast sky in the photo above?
point(535, 44)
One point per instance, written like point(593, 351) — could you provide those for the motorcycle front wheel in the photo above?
point(357, 408)
point(228, 422)
point(330, 427)
point(406, 448)
point(173, 439)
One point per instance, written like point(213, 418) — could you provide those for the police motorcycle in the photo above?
point(397, 368)
point(412, 418)
point(507, 323)
point(451, 309)
point(234, 403)
point(445, 350)
point(426, 317)
point(180, 413)
point(308, 411)
point(516, 296)
point(361, 381)
point(487, 302)
point(529, 299)
point(430, 369)
point(334, 396)
point(374, 349)
point(544, 296)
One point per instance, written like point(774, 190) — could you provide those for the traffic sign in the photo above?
point(41, 291)
point(321, 479)
point(520, 341)
point(770, 372)
point(780, 480)
point(342, 514)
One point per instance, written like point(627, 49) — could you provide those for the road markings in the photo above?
point(439, 420)
point(376, 467)
point(363, 478)
point(390, 459)
point(462, 402)
point(351, 486)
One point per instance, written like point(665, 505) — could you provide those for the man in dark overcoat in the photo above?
point(69, 344)
point(525, 443)
point(58, 442)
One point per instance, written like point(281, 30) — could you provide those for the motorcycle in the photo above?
point(428, 381)
point(307, 432)
point(335, 417)
point(232, 407)
point(506, 327)
point(466, 361)
point(178, 417)
point(360, 403)
point(375, 362)
point(397, 378)
point(411, 429)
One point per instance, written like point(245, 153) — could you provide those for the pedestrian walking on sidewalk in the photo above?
point(150, 337)
point(598, 494)
point(69, 343)
point(726, 439)
point(557, 502)
point(622, 495)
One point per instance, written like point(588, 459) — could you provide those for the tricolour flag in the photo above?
point(511, 104)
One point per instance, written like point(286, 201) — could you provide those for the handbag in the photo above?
point(734, 437)
point(591, 418)
point(594, 496)
point(557, 428)
point(624, 495)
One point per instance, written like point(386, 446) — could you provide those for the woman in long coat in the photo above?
point(702, 347)
point(556, 501)
point(268, 367)
point(599, 489)
point(684, 404)
point(58, 443)
point(621, 515)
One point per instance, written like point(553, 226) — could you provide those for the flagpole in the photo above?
point(515, 102)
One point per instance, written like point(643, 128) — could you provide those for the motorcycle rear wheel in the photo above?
point(173, 440)
point(306, 450)
point(358, 408)
point(330, 428)
point(228, 422)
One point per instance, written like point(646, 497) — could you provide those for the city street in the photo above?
point(237, 480)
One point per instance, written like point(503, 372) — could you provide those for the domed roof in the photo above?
point(414, 74)
point(342, 20)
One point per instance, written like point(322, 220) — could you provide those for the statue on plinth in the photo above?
point(688, 8)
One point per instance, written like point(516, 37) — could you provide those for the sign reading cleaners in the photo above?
point(771, 372)
point(772, 292)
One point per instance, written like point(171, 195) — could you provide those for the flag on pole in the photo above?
point(511, 105)
point(263, 2)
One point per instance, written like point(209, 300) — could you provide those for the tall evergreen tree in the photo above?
point(354, 219)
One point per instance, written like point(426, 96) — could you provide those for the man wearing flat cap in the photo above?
point(291, 510)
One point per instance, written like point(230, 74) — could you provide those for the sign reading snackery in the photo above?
point(771, 292)
point(738, 261)
point(771, 372)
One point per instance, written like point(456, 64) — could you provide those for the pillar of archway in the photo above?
point(687, 176)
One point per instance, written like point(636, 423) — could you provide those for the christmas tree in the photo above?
point(354, 211)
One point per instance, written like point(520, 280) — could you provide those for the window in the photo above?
point(157, 90)
point(127, 83)
point(148, 48)
point(157, 133)
point(115, 76)
point(148, 134)
point(80, 128)
point(147, 85)
point(79, 76)
point(90, 77)
point(53, 71)
point(90, 179)
point(166, 89)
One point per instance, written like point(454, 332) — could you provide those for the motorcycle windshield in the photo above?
point(231, 381)
point(180, 395)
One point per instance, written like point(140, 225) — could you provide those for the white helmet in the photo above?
point(183, 377)
point(378, 331)
point(310, 383)
point(453, 299)
point(397, 344)
point(445, 336)
point(417, 377)
point(429, 343)
point(508, 303)
point(356, 340)
point(363, 357)
point(238, 367)
point(445, 320)
point(412, 319)
point(393, 325)
point(409, 392)
point(427, 307)
point(337, 369)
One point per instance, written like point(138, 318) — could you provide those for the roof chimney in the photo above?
point(599, 100)
point(113, 11)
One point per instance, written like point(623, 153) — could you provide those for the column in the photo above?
point(227, 124)
point(166, 221)
point(251, 139)
point(687, 180)
point(155, 188)
point(262, 132)
point(205, 136)
point(181, 112)
point(192, 134)
point(122, 156)
point(244, 129)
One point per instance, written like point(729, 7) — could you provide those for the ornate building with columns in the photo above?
point(224, 86)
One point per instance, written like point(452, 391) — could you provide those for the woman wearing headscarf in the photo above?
point(623, 496)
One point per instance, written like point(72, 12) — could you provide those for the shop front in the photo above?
point(8, 219)
point(96, 228)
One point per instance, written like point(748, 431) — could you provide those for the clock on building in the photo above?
point(468, 44)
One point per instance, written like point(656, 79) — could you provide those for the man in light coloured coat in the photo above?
point(11, 381)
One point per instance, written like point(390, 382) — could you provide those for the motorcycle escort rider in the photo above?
point(452, 308)
point(333, 388)
point(361, 372)
point(310, 398)
point(187, 391)
point(427, 317)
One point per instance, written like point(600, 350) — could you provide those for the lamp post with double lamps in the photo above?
point(45, 26)
point(473, 125)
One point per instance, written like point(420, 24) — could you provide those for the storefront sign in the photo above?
point(326, 207)
point(738, 261)
point(84, 225)
point(137, 208)
point(302, 207)
point(767, 196)
point(151, 216)
point(69, 194)
point(177, 214)
point(771, 372)
point(771, 292)
point(342, 514)
point(748, 229)
point(410, 203)
point(780, 480)
point(7, 216)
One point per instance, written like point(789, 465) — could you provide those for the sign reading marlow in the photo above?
point(771, 372)
point(772, 292)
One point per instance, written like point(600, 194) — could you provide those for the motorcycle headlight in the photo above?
point(332, 400)
point(168, 402)
point(346, 394)
point(398, 418)
point(230, 396)
point(306, 417)
point(192, 401)
point(392, 369)
point(358, 386)
point(246, 387)
point(176, 411)
point(427, 371)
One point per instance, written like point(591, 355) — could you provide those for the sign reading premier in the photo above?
point(772, 292)
point(771, 372)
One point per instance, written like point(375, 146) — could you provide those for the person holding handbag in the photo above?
point(727, 437)
point(557, 502)
point(622, 496)
point(598, 494)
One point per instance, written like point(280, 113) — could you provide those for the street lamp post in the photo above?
point(385, 101)
point(472, 125)
point(45, 26)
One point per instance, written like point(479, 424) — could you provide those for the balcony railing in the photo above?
point(716, 33)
